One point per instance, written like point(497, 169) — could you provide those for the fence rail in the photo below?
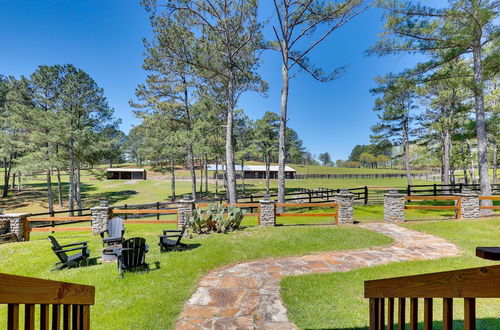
point(457, 207)
point(75, 300)
point(468, 284)
point(334, 215)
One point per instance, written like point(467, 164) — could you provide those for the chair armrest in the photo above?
point(74, 244)
point(169, 236)
point(102, 233)
point(171, 231)
point(73, 249)
point(147, 248)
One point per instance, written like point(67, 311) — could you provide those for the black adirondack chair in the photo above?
point(115, 232)
point(133, 254)
point(69, 260)
point(171, 239)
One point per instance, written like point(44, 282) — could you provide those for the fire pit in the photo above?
point(109, 253)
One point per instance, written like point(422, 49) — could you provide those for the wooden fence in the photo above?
point(53, 223)
point(457, 207)
point(334, 215)
point(52, 296)
point(250, 206)
point(468, 284)
point(489, 207)
point(146, 212)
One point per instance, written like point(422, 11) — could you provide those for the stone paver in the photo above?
point(246, 295)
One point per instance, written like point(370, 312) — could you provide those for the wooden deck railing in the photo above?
point(467, 284)
point(334, 214)
point(457, 207)
point(62, 305)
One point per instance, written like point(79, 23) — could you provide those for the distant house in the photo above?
point(126, 173)
point(255, 171)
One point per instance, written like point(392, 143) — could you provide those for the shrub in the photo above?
point(215, 218)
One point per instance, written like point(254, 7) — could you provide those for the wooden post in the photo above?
point(435, 189)
point(157, 207)
point(366, 195)
point(125, 213)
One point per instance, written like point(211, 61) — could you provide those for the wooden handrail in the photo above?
point(468, 284)
point(50, 295)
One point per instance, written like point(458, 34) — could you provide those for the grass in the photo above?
point(153, 300)
point(335, 300)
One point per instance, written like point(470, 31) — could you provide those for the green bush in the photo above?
point(215, 218)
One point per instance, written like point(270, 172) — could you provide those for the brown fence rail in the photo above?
point(250, 206)
point(62, 304)
point(334, 215)
point(49, 224)
point(157, 211)
point(467, 284)
point(457, 207)
point(490, 198)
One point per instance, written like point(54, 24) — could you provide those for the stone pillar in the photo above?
point(394, 207)
point(17, 223)
point(100, 216)
point(186, 208)
point(345, 201)
point(470, 204)
point(267, 212)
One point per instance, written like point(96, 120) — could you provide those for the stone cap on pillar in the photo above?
point(14, 215)
point(468, 193)
point(187, 199)
point(344, 193)
point(267, 200)
point(394, 193)
point(102, 205)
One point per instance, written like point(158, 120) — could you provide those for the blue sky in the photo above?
point(104, 38)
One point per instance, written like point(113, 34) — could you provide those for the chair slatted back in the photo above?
point(133, 252)
point(63, 257)
point(115, 227)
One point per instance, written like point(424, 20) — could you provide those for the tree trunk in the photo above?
point(446, 157)
point(495, 163)
point(201, 178)
point(268, 166)
point(230, 171)
point(59, 188)
point(484, 178)
point(13, 181)
point(71, 191)
point(206, 175)
point(78, 192)
point(19, 186)
point(172, 187)
point(216, 176)
point(283, 118)
point(50, 194)
point(6, 175)
point(406, 147)
point(193, 173)
point(243, 176)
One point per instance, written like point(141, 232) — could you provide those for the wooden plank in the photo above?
point(44, 317)
point(470, 313)
point(28, 290)
point(29, 316)
point(66, 317)
point(413, 313)
point(307, 205)
point(428, 314)
point(59, 219)
point(463, 283)
point(490, 207)
point(430, 207)
point(307, 215)
point(13, 317)
point(56, 317)
point(149, 221)
point(401, 314)
point(435, 198)
point(75, 317)
point(381, 314)
point(491, 198)
point(86, 317)
point(373, 313)
point(143, 211)
point(390, 314)
point(242, 205)
point(62, 229)
point(448, 314)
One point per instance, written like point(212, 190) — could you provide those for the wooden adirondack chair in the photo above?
point(69, 260)
point(115, 232)
point(166, 243)
point(133, 254)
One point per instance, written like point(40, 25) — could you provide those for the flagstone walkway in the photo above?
point(247, 296)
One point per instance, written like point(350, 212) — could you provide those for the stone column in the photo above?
point(394, 207)
point(100, 216)
point(186, 207)
point(267, 212)
point(17, 223)
point(345, 201)
point(470, 204)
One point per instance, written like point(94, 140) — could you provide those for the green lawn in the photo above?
point(153, 300)
point(335, 301)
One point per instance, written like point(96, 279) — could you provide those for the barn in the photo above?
point(126, 173)
point(255, 171)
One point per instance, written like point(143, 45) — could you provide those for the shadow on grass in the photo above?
point(184, 247)
point(484, 323)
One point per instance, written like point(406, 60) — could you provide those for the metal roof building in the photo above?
point(256, 171)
